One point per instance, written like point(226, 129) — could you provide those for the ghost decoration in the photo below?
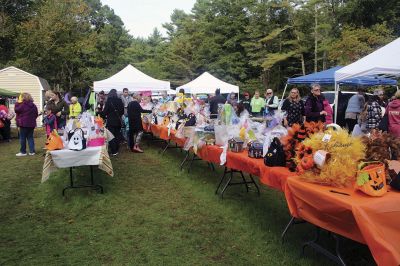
point(77, 141)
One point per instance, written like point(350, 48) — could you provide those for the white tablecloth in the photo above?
point(68, 158)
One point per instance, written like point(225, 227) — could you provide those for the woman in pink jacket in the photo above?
point(329, 112)
point(393, 113)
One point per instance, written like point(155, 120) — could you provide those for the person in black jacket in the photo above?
point(135, 123)
point(214, 101)
point(113, 110)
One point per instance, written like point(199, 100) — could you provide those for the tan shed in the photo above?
point(17, 80)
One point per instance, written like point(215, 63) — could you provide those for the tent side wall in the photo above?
point(15, 80)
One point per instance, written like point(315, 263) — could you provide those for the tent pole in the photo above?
point(336, 100)
point(284, 91)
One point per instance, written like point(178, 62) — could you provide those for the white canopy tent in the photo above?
point(207, 83)
point(384, 61)
point(133, 79)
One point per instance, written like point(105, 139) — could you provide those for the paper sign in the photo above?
point(326, 138)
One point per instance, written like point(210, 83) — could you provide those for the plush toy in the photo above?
point(345, 153)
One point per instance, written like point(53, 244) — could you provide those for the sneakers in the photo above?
point(20, 154)
point(115, 154)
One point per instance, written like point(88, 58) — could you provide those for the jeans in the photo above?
point(26, 133)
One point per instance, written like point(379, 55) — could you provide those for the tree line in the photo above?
point(255, 44)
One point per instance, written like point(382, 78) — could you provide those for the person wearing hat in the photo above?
point(246, 101)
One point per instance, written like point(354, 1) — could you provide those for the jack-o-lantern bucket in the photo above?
point(54, 142)
point(371, 178)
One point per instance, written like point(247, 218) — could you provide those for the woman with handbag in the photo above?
point(60, 108)
point(113, 111)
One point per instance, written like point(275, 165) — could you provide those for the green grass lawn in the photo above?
point(151, 213)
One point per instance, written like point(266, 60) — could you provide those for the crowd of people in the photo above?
point(122, 113)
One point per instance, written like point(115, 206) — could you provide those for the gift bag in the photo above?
point(54, 142)
point(371, 178)
point(76, 140)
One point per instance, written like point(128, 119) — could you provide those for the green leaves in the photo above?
point(362, 179)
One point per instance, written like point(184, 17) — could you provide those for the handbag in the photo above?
point(76, 140)
point(371, 178)
point(119, 117)
point(1, 123)
point(275, 155)
point(384, 123)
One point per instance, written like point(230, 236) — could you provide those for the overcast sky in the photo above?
point(142, 16)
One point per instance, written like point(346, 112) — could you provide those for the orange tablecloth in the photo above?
point(275, 177)
point(242, 162)
point(369, 220)
point(179, 141)
point(160, 131)
point(210, 153)
point(146, 127)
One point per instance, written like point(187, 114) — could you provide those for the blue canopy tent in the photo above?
point(327, 77)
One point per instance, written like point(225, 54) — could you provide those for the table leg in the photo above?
point(244, 181)
point(222, 179)
point(91, 185)
point(293, 221)
point(318, 248)
point(184, 160)
point(255, 184)
point(227, 183)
